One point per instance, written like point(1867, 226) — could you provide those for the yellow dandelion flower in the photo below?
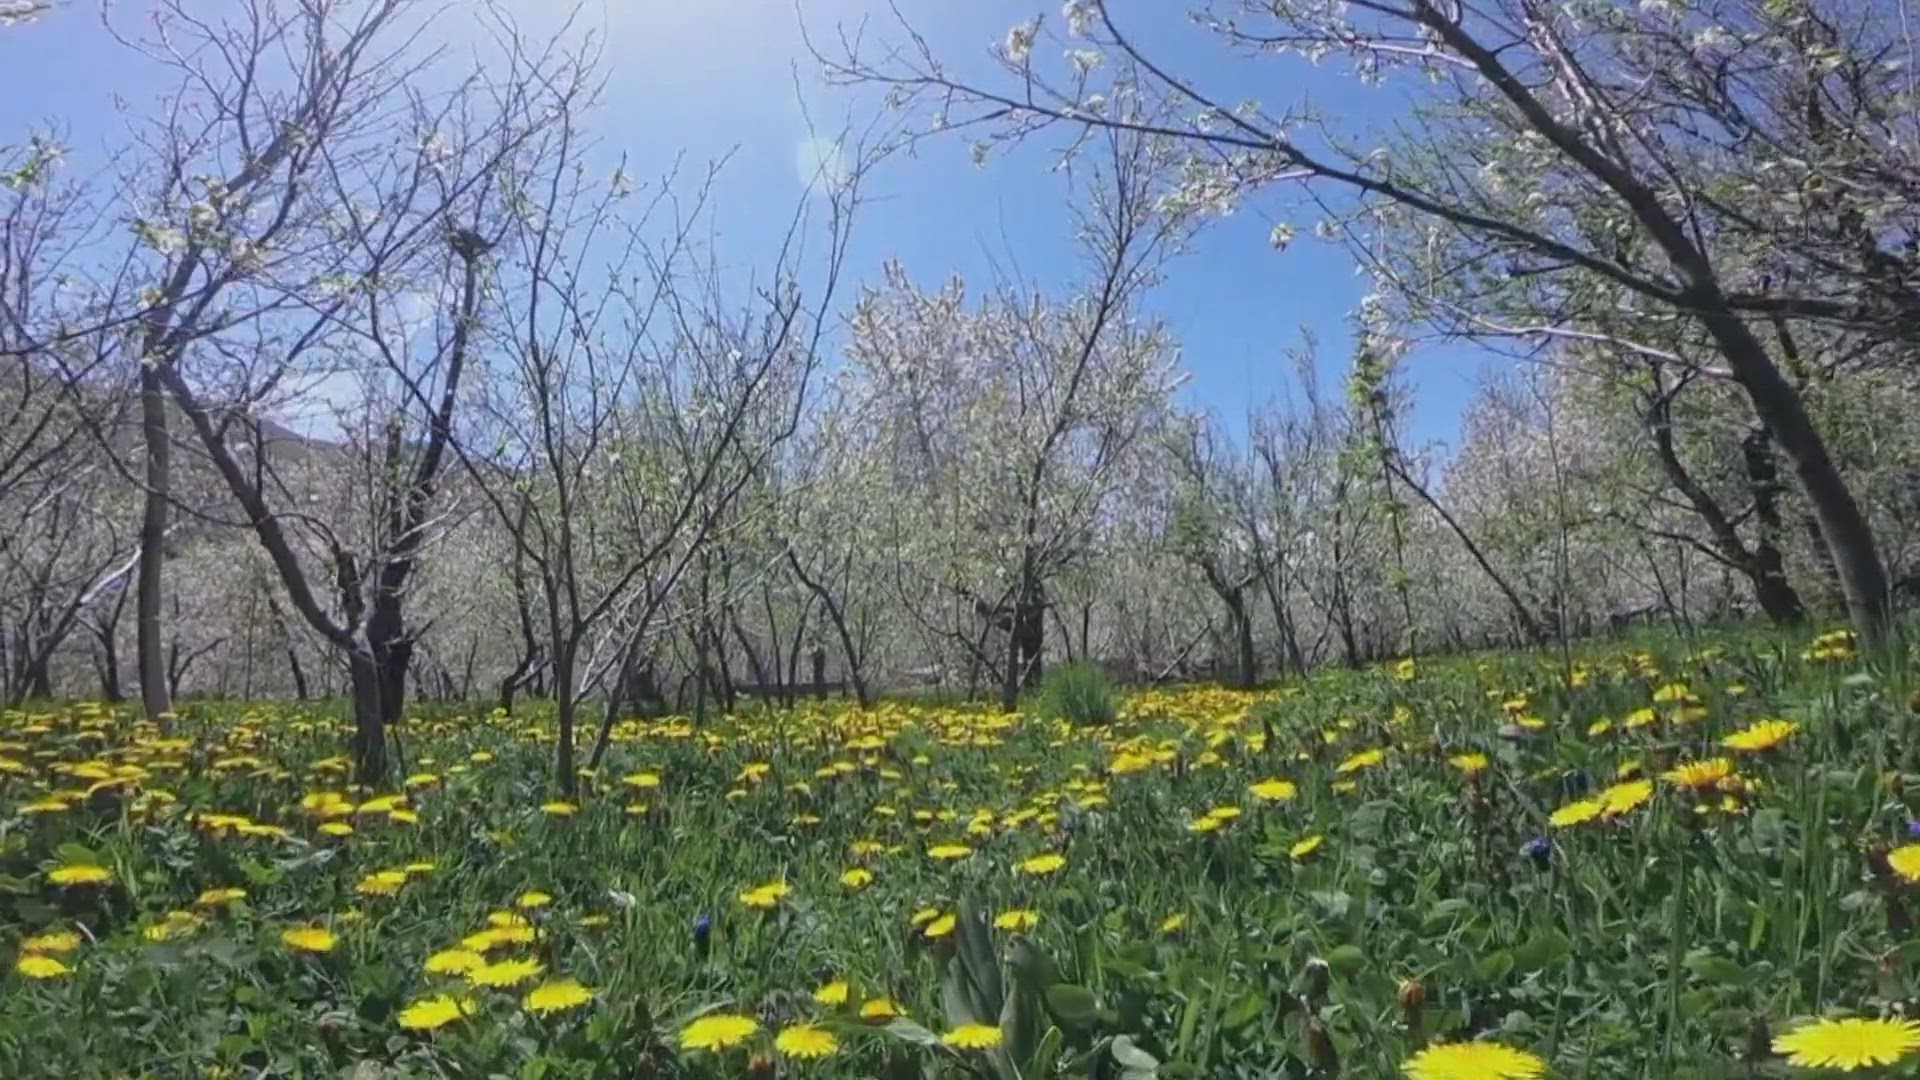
point(765, 897)
point(557, 995)
point(832, 993)
point(972, 1037)
point(1017, 919)
point(1362, 760)
point(1305, 846)
point(718, 1031)
point(454, 962)
point(80, 874)
point(532, 898)
point(40, 966)
point(1576, 813)
point(381, 883)
point(1469, 764)
point(1760, 735)
point(1905, 861)
point(805, 1041)
point(1699, 775)
point(504, 973)
point(940, 927)
point(1848, 1044)
point(1473, 1061)
point(559, 808)
point(949, 852)
point(1043, 864)
point(878, 1009)
point(313, 939)
point(437, 1011)
point(53, 941)
point(858, 877)
point(1622, 798)
point(1173, 923)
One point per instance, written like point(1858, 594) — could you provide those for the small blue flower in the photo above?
point(1539, 849)
point(1913, 828)
point(702, 935)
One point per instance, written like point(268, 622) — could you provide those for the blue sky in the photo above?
point(708, 77)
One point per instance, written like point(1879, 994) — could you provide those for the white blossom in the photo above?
point(1281, 237)
point(1019, 42)
point(1079, 15)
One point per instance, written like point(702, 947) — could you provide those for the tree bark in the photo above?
point(156, 695)
point(1760, 564)
point(566, 709)
point(369, 743)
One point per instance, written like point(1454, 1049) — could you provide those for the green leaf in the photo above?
point(1445, 912)
point(1494, 966)
point(1250, 1007)
point(1543, 949)
point(1346, 960)
point(77, 853)
point(1716, 969)
point(1045, 1058)
point(1072, 1005)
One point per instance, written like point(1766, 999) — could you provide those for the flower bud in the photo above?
point(1759, 1039)
point(1320, 1049)
point(1316, 980)
point(1413, 998)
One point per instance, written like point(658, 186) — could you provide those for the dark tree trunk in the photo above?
point(1026, 642)
point(1233, 597)
point(1770, 585)
point(156, 689)
point(1761, 563)
point(1863, 578)
point(366, 682)
point(108, 662)
point(566, 777)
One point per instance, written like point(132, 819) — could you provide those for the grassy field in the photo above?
point(1660, 860)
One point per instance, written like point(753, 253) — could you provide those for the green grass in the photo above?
point(1646, 945)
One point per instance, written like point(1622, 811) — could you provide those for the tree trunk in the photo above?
point(1761, 564)
point(379, 677)
point(1770, 585)
point(1863, 578)
point(109, 664)
point(156, 693)
point(1030, 628)
point(1010, 672)
point(755, 665)
point(1249, 665)
point(36, 680)
point(565, 776)
point(369, 742)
